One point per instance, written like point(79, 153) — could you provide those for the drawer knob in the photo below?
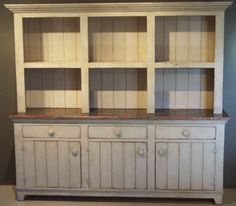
point(186, 133)
point(162, 152)
point(51, 132)
point(74, 151)
point(117, 132)
point(141, 152)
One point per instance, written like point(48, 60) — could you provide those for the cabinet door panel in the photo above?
point(52, 164)
point(185, 166)
point(117, 165)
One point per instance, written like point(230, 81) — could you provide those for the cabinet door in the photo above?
point(185, 166)
point(115, 165)
point(52, 164)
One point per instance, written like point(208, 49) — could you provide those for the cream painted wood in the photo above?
point(51, 131)
point(119, 131)
point(182, 132)
point(166, 55)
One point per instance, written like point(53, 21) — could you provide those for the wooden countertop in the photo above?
point(120, 114)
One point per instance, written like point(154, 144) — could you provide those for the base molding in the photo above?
point(216, 196)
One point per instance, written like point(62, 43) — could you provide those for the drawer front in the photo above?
point(185, 132)
point(132, 132)
point(56, 131)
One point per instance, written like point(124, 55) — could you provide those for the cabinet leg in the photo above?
point(20, 196)
point(218, 200)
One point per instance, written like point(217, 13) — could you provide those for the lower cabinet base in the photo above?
point(217, 197)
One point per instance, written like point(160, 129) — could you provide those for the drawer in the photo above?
point(53, 131)
point(185, 132)
point(131, 132)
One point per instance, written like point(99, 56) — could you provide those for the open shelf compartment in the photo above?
point(184, 89)
point(53, 88)
point(51, 40)
point(117, 39)
point(185, 39)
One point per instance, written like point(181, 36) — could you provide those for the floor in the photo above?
point(7, 198)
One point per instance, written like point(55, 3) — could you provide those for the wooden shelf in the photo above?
point(184, 65)
point(42, 65)
point(105, 65)
point(123, 114)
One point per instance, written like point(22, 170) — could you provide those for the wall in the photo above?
point(8, 91)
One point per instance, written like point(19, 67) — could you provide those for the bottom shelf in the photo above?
point(122, 114)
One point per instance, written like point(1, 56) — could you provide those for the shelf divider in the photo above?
point(48, 65)
point(84, 63)
point(163, 65)
point(151, 63)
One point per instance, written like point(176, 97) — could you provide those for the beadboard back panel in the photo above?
point(184, 88)
point(51, 39)
point(185, 39)
point(117, 39)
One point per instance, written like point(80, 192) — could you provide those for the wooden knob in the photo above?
point(186, 133)
point(162, 152)
point(141, 152)
point(74, 151)
point(51, 132)
point(117, 132)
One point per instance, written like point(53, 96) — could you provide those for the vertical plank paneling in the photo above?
point(141, 166)
point(75, 164)
point(194, 89)
point(131, 88)
point(63, 164)
point(120, 39)
point(26, 39)
point(107, 37)
point(107, 88)
point(36, 88)
point(77, 29)
point(29, 164)
point(207, 89)
point(71, 88)
point(208, 39)
point(46, 44)
point(142, 88)
point(195, 40)
point(94, 165)
point(47, 88)
point(34, 40)
point(106, 166)
point(27, 88)
point(169, 88)
point(52, 164)
point(59, 88)
point(96, 88)
point(119, 88)
point(170, 38)
point(159, 39)
point(131, 39)
point(181, 88)
point(142, 39)
point(161, 166)
point(184, 166)
point(209, 166)
point(182, 39)
point(129, 165)
point(117, 166)
point(69, 32)
point(58, 46)
point(196, 166)
point(40, 164)
point(173, 166)
point(159, 89)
